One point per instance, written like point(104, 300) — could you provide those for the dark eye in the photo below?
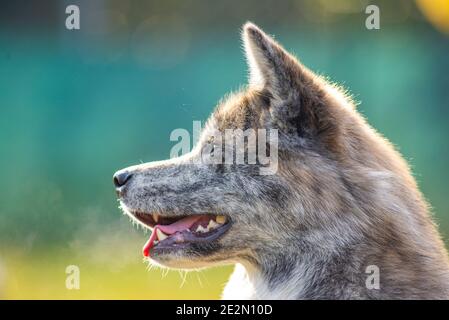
point(212, 149)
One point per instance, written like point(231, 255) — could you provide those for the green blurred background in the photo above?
point(75, 106)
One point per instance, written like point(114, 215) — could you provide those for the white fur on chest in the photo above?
point(248, 284)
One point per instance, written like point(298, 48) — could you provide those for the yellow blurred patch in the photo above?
point(42, 275)
point(437, 12)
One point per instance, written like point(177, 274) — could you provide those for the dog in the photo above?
point(341, 217)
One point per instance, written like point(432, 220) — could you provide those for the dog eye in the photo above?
point(208, 149)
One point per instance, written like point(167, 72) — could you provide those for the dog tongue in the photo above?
point(169, 229)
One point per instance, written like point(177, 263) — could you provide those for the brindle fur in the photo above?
point(342, 199)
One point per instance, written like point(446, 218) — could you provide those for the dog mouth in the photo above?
point(177, 232)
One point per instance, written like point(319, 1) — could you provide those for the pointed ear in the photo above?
point(301, 104)
point(270, 66)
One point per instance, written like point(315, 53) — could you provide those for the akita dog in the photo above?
point(341, 207)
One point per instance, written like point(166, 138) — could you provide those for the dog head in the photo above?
point(207, 210)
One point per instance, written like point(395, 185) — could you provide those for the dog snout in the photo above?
point(121, 178)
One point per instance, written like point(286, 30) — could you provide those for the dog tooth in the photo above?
point(201, 229)
point(212, 224)
point(160, 235)
point(220, 219)
point(155, 217)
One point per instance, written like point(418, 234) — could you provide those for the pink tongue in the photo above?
point(179, 225)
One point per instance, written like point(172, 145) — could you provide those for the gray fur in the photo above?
point(342, 199)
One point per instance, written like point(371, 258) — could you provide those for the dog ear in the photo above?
point(299, 97)
point(270, 66)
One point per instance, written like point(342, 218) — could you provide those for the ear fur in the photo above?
point(270, 66)
point(300, 97)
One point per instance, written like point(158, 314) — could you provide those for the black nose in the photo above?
point(121, 178)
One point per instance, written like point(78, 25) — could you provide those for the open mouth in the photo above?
point(176, 232)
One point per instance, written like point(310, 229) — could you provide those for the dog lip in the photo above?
point(185, 238)
point(172, 231)
point(148, 219)
point(145, 218)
